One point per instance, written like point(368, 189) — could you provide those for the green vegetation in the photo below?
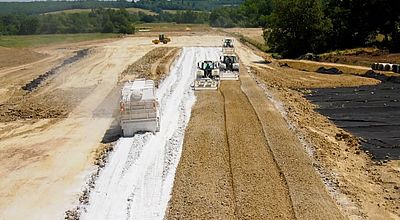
point(167, 27)
point(183, 17)
point(92, 21)
point(291, 27)
point(196, 5)
point(97, 20)
point(74, 11)
point(40, 40)
point(252, 13)
point(41, 7)
point(260, 46)
point(295, 27)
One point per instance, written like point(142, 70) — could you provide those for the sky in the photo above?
point(31, 0)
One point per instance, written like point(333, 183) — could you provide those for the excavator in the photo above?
point(229, 67)
point(207, 75)
point(161, 38)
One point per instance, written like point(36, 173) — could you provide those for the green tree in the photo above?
point(108, 26)
point(29, 25)
point(297, 27)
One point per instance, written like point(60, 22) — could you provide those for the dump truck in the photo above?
point(229, 67)
point(139, 108)
point(227, 46)
point(207, 75)
point(161, 38)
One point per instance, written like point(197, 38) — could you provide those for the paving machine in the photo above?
point(161, 38)
point(229, 67)
point(139, 108)
point(207, 76)
point(227, 46)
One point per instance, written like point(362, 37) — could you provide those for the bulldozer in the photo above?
point(161, 39)
point(227, 46)
point(229, 67)
point(207, 76)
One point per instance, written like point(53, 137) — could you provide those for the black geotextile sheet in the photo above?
point(369, 112)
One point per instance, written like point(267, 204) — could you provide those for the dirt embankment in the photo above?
point(364, 188)
point(10, 57)
point(361, 56)
point(57, 104)
point(203, 181)
point(25, 103)
point(260, 167)
point(226, 169)
point(154, 65)
point(295, 79)
point(260, 187)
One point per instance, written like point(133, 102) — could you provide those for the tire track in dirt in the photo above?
point(310, 198)
point(202, 187)
point(229, 158)
point(260, 188)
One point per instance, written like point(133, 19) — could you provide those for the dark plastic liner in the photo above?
point(369, 112)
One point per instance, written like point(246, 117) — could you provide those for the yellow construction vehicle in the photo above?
point(162, 39)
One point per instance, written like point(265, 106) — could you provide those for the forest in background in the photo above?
point(296, 27)
point(291, 27)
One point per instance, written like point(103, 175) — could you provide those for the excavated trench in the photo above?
point(35, 83)
point(370, 112)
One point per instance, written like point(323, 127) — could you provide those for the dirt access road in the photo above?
point(44, 163)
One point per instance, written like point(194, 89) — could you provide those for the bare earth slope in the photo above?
point(56, 156)
point(309, 195)
point(203, 182)
point(260, 189)
point(271, 176)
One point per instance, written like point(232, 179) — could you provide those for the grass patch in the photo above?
point(131, 10)
point(252, 36)
point(174, 27)
point(40, 40)
point(176, 11)
point(261, 46)
point(354, 51)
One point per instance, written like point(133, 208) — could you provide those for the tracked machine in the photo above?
point(227, 46)
point(139, 108)
point(207, 76)
point(229, 67)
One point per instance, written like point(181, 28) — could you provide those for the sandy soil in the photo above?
point(362, 187)
point(252, 33)
point(260, 166)
point(137, 182)
point(46, 160)
point(152, 66)
point(10, 57)
point(203, 184)
point(241, 166)
point(361, 56)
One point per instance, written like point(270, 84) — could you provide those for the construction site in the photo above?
point(195, 125)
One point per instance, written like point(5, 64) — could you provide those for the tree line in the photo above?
point(97, 20)
point(295, 27)
point(41, 7)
